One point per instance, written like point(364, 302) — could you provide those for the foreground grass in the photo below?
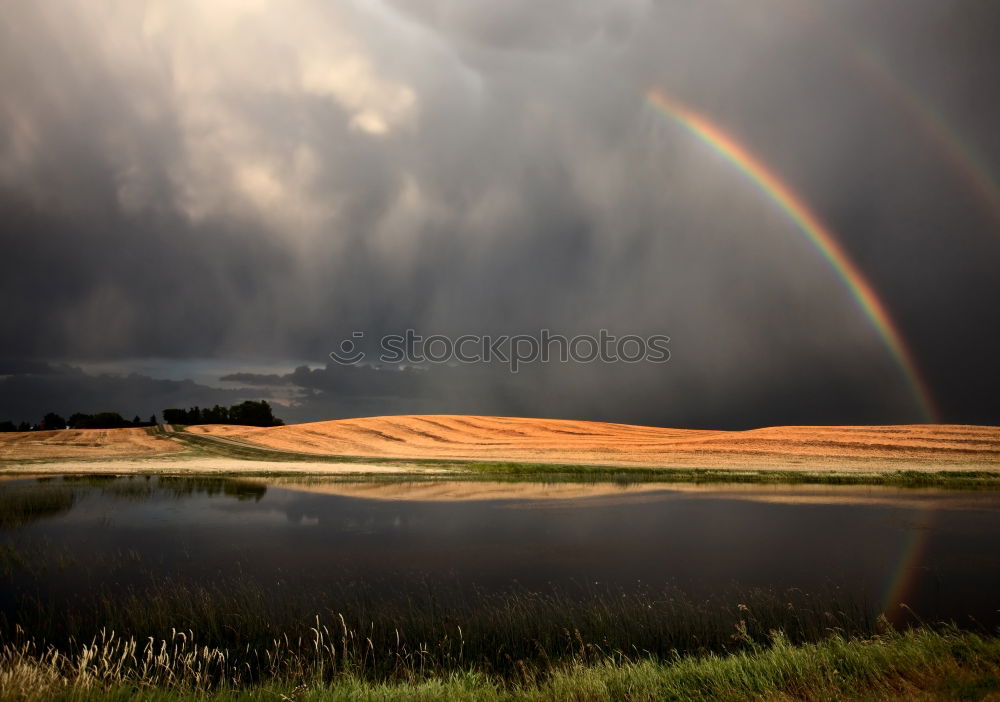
point(395, 628)
point(241, 642)
point(916, 665)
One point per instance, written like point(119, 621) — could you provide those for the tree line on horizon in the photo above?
point(249, 413)
point(79, 420)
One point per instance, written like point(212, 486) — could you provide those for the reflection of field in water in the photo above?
point(464, 490)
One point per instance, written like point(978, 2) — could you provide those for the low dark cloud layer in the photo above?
point(230, 180)
point(63, 389)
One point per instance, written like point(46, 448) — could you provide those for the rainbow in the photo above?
point(902, 578)
point(936, 130)
point(866, 61)
point(797, 210)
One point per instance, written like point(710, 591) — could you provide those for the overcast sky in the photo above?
point(200, 200)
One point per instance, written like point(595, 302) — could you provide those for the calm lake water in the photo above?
point(937, 551)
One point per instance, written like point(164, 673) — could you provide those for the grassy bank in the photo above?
point(971, 480)
point(533, 473)
point(915, 665)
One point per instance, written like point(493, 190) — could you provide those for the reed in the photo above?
point(388, 631)
point(917, 664)
point(21, 504)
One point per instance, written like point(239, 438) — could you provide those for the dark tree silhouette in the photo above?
point(250, 413)
point(53, 421)
point(101, 420)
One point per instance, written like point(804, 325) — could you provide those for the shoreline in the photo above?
point(398, 470)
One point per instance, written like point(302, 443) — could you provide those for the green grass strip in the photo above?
point(916, 665)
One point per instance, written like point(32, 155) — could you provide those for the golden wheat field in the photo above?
point(477, 438)
point(506, 439)
point(84, 443)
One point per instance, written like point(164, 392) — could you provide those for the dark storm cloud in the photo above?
point(257, 379)
point(216, 180)
point(30, 394)
point(615, 393)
